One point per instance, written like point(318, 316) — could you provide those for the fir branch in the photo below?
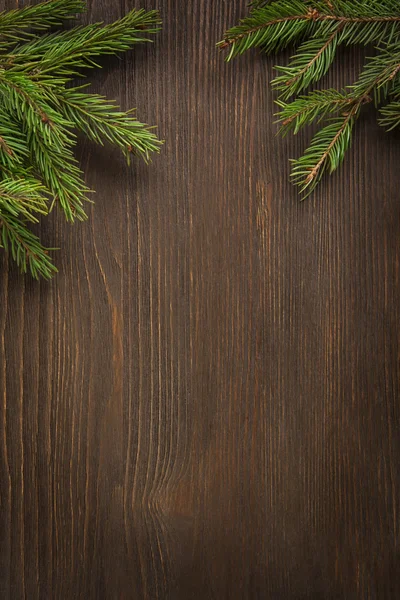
point(30, 105)
point(48, 136)
point(101, 120)
point(294, 19)
point(271, 27)
point(59, 170)
point(65, 54)
point(325, 24)
point(26, 248)
point(380, 73)
point(23, 197)
point(330, 144)
point(390, 115)
point(312, 61)
point(21, 23)
point(316, 55)
point(20, 199)
point(314, 106)
point(367, 32)
point(327, 150)
point(40, 112)
point(13, 147)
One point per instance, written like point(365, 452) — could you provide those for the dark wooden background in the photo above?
point(205, 402)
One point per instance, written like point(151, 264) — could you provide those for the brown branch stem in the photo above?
point(6, 147)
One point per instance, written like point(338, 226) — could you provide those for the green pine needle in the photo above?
point(312, 61)
point(40, 113)
point(316, 28)
point(20, 199)
point(271, 28)
point(23, 197)
point(326, 152)
point(100, 120)
point(313, 107)
point(21, 23)
point(390, 115)
point(66, 53)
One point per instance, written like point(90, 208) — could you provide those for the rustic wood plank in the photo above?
point(205, 402)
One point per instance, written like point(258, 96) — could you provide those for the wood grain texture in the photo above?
point(205, 402)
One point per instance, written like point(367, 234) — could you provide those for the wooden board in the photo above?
point(204, 403)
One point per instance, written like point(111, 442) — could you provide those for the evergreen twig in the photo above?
point(21, 23)
point(317, 28)
point(40, 112)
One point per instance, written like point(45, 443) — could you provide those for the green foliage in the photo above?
point(271, 27)
point(99, 119)
point(306, 109)
point(317, 28)
point(20, 200)
point(40, 113)
point(312, 61)
point(17, 25)
point(326, 151)
point(65, 53)
point(390, 115)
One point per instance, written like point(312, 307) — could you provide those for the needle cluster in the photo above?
point(41, 111)
point(316, 28)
